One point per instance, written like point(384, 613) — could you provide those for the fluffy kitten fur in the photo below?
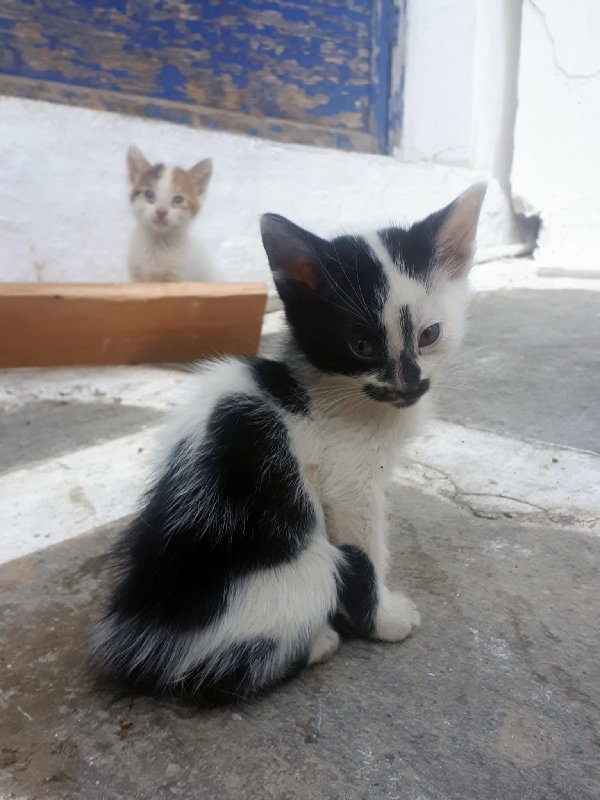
point(268, 517)
point(164, 201)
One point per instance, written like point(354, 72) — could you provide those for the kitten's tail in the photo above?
point(259, 635)
point(155, 659)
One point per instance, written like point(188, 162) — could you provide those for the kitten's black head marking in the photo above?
point(399, 399)
point(409, 366)
point(407, 369)
point(412, 250)
point(332, 292)
point(443, 239)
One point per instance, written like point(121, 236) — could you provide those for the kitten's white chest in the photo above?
point(176, 259)
point(353, 457)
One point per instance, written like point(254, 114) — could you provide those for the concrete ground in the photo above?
point(495, 520)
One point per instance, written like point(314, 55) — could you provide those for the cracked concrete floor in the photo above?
point(497, 697)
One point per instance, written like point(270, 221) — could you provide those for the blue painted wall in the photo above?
point(313, 71)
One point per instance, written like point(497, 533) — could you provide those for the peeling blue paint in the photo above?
point(171, 83)
point(323, 63)
point(171, 115)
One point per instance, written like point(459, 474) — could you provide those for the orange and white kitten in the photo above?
point(165, 201)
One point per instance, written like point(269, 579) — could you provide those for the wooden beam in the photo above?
point(45, 324)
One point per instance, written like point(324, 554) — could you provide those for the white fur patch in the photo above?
point(214, 380)
point(397, 616)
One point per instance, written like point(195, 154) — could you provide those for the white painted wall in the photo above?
point(494, 80)
point(556, 168)
point(460, 83)
point(438, 89)
point(460, 89)
point(63, 197)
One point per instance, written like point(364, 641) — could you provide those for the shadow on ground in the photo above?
point(497, 696)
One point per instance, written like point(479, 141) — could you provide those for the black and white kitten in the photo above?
point(269, 515)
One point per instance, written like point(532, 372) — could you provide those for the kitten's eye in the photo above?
point(430, 335)
point(362, 347)
point(149, 195)
point(177, 200)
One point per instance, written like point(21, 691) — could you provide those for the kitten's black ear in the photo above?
point(454, 230)
point(137, 164)
point(200, 175)
point(292, 252)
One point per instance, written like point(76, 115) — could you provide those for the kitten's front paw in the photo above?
point(397, 616)
point(325, 644)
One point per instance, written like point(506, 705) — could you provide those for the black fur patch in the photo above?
point(387, 372)
point(357, 594)
point(230, 507)
point(277, 380)
point(413, 250)
point(383, 394)
point(239, 682)
point(347, 303)
point(409, 368)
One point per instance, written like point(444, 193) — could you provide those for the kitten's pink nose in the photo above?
point(161, 214)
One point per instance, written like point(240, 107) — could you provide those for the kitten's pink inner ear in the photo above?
point(291, 256)
point(455, 241)
point(137, 163)
point(303, 273)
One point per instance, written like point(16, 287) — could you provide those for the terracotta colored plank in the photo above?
point(67, 324)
